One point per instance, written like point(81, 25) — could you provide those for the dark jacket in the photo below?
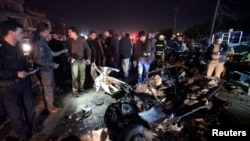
point(223, 52)
point(42, 54)
point(56, 45)
point(114, 48)
point(107, 47)
point(95, 49)
point(79, 48)
point(12, 60)
point(125, 47)
point(142, 48)
point(178, 46)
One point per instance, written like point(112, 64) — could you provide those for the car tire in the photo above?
point(135, 132)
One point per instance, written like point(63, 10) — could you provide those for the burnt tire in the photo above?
point(135, 132)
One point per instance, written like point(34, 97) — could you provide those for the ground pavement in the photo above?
point(58, 126)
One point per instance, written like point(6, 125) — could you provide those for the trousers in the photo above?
point(216, 67)
point(125, 66)
point(48, 84)
point(143, 68)
point(19, 105)
point(78, 68)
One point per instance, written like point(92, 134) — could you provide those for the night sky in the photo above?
point(126, 15)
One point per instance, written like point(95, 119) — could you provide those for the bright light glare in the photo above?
point(26, 47)
point(83, 35)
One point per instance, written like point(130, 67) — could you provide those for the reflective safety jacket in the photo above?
point(160, 46)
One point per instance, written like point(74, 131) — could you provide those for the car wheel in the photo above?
point(135, 132)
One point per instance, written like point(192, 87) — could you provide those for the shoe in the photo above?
point(213, 82)
point(86, 112)
point(55, 110)
point(83, 91)
point(76, 94)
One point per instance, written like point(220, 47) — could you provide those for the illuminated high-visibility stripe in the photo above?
point(159, 52)
point(159, 45)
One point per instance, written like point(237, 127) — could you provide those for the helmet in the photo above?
point(161, 37)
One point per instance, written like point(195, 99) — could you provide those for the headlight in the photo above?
point(26, 47)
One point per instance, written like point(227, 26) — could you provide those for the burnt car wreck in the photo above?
point(173, 106)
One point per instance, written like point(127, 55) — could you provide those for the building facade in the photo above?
point(14, 10)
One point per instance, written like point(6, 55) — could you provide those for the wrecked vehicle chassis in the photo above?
point(145, 116)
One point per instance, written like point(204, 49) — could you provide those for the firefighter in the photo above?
point(179, 47)
point(159, 53)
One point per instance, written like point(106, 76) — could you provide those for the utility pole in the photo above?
point(64, 28)
point(214, 19)
point(174, 28)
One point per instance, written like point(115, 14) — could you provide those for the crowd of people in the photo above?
point(63, 59)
